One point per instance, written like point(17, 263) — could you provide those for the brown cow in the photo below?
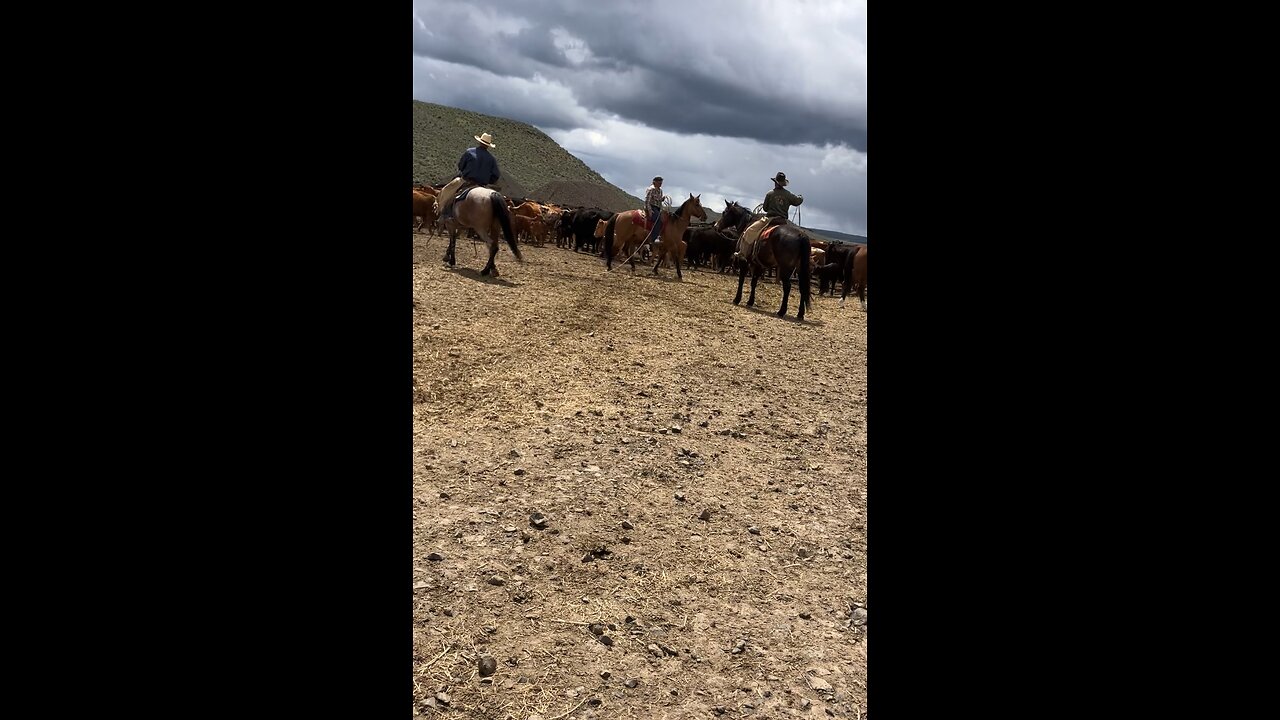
point(424, 207)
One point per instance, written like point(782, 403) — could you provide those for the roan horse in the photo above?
point(624, 228)
point(785, 247)
point(478, 212)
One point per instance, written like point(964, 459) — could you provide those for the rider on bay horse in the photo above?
point(776, 204)
point(477, 166)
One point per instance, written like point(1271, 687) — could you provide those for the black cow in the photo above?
point(583, 226)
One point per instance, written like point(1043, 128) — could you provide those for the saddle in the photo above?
point(638, 218)
point(749, 246)
point(450, 211)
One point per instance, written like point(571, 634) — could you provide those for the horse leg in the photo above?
point(742, 277)
point(785, 277)
point(448, 253)
point(756, 272)
point(490, 268)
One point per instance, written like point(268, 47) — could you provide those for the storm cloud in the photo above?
point(711, 95)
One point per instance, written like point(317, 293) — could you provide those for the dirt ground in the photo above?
point(698, 474)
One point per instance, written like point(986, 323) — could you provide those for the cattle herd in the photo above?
point(705, 245)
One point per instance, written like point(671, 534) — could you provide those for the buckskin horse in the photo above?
point(479, 211)
point(629, 229)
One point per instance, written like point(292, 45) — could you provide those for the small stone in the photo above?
point(819, 684)
point(705, 515)
point(444, 496)
point(860, 616)
point(497, 580)
point(606, 640)
point(626, 525)
point(626, 539)
point(520, 471)
point(448, 612)
point(631, 683)
point(805, 615)
point(605, 674)
point(704, 423)
point(675, 428)
point(421, 585)
point(509, 528)
point(680, 497)
point(538, 520)
point(753, 530)
point(773, 678)
point(596, 629)
point(804, 552)
point(487, 665)
point(654, 650)
point(443, 698)
point(514, 453)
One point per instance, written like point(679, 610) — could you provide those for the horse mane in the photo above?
point(683, 205)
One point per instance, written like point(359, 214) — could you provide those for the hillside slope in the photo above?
point(533, 165)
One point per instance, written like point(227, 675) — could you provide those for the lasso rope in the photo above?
point(641, 246)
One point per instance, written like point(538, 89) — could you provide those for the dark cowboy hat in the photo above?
point(781, 177)
point(658, 179)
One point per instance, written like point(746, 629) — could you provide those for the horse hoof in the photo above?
point(737, 301)
point(781, 313)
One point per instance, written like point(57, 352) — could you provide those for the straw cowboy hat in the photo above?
point(485, 139)
point(781, 177)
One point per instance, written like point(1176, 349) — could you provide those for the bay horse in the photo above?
point(785, 247)
point(479, 211)
point(629, 230)
point(860, 275)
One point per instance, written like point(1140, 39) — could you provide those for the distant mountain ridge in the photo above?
point(533, 165)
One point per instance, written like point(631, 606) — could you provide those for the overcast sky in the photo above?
point(714, 96)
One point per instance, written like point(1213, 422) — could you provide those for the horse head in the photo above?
point(697, 210)
point(732, 215)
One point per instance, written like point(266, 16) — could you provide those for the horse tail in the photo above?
point(847, 272)
point(804, 275)
point(608, 240)
point(504, 219)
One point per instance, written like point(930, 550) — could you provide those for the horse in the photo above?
point(479, 211)
point(860, 275)
point(630, 230)
point(785, 247)
point(845, 255)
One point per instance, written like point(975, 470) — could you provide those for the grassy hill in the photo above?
point(533, 165)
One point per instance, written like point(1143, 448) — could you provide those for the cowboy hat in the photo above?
point(485, 139)
point(781, 177)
